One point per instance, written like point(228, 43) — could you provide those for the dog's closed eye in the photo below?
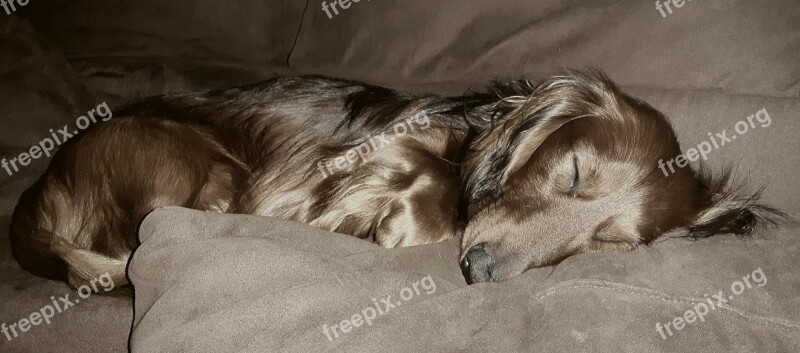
point(576, 176)
point(568, 177)
point(615, 233)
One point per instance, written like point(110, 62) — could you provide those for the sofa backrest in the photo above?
point(254, 32)
point(740, 47)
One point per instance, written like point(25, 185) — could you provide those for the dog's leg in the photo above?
point(402, 196)
point(426, 212)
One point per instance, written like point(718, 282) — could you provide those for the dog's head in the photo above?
point(573, 165)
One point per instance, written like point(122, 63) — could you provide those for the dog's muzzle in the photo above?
point(477, 265)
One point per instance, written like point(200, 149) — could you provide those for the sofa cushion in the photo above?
point(206, 283)
point(739, 47)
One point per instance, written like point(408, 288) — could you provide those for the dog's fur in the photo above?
point(530, 174)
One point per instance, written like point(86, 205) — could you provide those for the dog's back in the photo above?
point(252, 150)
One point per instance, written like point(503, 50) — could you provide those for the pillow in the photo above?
point(740, 47)
point(211, 282)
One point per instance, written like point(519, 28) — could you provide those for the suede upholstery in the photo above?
point(273, 284)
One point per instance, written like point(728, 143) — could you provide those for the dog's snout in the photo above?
point(477, 264)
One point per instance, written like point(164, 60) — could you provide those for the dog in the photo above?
point(527, 174)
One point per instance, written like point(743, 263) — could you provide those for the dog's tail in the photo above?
point(85, 266)
point(42, 252)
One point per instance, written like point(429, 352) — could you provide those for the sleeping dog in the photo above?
point(528, 174)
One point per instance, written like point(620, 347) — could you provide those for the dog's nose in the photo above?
point(476, 265)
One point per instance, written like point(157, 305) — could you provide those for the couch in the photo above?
point(205, 282)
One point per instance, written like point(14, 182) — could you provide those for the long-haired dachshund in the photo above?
point(527, 174)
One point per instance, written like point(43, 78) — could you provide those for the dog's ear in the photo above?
point(730, 210)
point(523, 116)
